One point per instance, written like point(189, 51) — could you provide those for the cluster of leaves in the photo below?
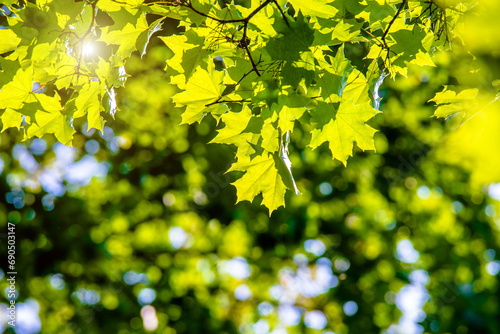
point(63, 61)
point(259, 67)
point(155, 187)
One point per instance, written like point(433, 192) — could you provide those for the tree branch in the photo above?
point(243, 42)
point(391, 23)
point(219, 101)
point(282, 13)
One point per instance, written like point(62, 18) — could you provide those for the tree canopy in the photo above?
point(381, 118)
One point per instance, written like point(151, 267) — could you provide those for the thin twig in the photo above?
point(282, 13)
point(392, 22)
point(82, 39)
point(243, 42)
point(218, 101)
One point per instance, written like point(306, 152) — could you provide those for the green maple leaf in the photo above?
point(343, 127)
point(188, 54)
point(348, 8)
point(46, 117)
point(292, 41)
point(261, 176)
point(412, 46)
point(55, 123)
point(16, 92)
point(9, 70)
point(407, 44)
point(376, 13)
point(40, 21)
point(88, 102)
point(293, 107)
point(126, 32)
point(11, 119)
point(8, 40)
point(113, 5)
point(203, 88)
point(267, 90)
point(235, 124)
point(448, 102)
point(356, 88)
point(302, 69)
point(319, 8)
point(332, 32)
point(334, 78)
point(250, 134)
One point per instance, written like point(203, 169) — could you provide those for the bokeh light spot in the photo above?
point(350, 308)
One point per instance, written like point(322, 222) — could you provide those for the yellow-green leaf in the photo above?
point(448, 102)
point(88, 101)
point(8, 40)
point(203, 88)
point(48, 118)
point(126, 37)
point(11, 119)
point(261, 176)
point(344, 127)
point(319, 8)
point(14, 93)
point(235, 123)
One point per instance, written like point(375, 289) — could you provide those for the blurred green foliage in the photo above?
point(410, 227)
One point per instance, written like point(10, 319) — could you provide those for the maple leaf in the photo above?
point(126, 32)
point(202, 88)
point(188, 54)
point(88, 102)
point(46, 117)
point(14, 93)
point(8, 40)
point(448, 102)
point(11, 119)
point(319, 8)
point(235, 124)
point(261, 176)
point(292, 108)
point(343, 127)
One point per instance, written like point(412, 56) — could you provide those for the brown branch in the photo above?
point(392, 22)
point(233, 89)
point(282, 13)
point(387, 60)
point(246, 74)
point(243, 42)
point(190, 6)
point(262, 5)
point(218, 101)
point(82, 39)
